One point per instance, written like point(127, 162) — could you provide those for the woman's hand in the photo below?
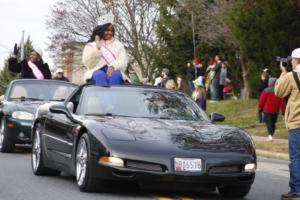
point(98, 43)
point(109, 72)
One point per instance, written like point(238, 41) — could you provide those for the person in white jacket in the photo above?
point(105, 57)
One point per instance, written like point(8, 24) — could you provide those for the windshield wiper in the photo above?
point(27, 98)
point(105, 114)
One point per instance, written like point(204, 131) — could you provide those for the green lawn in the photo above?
point(243, 113)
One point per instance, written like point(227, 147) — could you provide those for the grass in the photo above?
point(243, 114)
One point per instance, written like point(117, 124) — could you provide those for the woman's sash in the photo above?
point(35, 70)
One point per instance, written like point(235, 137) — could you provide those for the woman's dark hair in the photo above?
point(99, 30)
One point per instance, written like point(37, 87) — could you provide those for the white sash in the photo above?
point(35, 70)
point(106, 54)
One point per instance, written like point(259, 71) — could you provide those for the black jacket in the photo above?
point(26, 72)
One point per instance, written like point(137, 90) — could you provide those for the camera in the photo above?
point(286, 62)
point(283, 60)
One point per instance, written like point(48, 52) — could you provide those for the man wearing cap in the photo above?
point(289, 84)
point(35, 68)
point(59, 75)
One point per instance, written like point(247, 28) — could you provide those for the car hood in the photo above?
point(197, 135)
point(26, 106)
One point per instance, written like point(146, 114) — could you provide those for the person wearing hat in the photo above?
point(199, 94)
point(35, 68)
point(105, 56)
point(289, 85)
point(59, 75)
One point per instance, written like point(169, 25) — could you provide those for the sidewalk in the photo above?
point(270, 154)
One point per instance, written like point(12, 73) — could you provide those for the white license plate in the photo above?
point(187, 164)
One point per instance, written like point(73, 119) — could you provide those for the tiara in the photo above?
point(106, 18)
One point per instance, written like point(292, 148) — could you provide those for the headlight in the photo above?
point(22, 115)
point(250, 167)
point(113, 161)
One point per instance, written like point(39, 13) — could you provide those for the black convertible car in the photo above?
point(154, 137)
point(18, 106)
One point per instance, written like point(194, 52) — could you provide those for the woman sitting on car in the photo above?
point(35, 68)
point(105, 57)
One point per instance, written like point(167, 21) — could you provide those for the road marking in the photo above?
point(180, 198)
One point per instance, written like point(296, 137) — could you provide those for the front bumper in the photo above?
point(19, 131)
point(171, 180)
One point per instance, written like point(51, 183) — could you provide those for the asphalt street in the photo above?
point(18, 183)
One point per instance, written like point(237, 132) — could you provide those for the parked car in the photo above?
point(19, 104)
point(151, 136)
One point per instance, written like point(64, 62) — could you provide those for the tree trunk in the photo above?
point(246, 89)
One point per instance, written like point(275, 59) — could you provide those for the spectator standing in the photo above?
point(289, 84)
point(222, 81)
point(190, 76)
point(199, 94)
point(199, 69)
point(270, 104)
point(264, 81)
point(59, 75)
point(182, 85)
point(215, 90)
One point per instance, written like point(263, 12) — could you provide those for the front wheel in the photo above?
point(234, 190)
point(37, 157)
point(6, 145)
point(85, 181)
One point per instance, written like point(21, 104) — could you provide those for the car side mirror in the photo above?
point(217, 117)
point(61, 109)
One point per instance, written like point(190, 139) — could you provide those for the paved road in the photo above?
point(18, 183)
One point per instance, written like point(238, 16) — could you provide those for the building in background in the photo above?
point(71, 61)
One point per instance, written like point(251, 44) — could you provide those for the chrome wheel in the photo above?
point(81, 161)
point(36, 150)
point(1, 133)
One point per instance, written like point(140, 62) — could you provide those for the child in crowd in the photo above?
point(270, 104)
point(199, 94)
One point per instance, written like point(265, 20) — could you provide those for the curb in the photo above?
point(270, 154)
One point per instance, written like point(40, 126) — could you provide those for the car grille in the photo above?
point(145, 166)
point(225, 169)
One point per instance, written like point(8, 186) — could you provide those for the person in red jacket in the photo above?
point(270, 104)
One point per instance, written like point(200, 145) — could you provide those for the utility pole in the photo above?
point(22, 46)
point(194, 40)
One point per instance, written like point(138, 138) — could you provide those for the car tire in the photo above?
point(37, 155)
point(84, 179)
point(237, 191)
point(6, 145)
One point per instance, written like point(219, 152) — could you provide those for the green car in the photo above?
point(19, 104)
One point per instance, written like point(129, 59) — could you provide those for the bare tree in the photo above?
point(74, 20)
point(210, 26)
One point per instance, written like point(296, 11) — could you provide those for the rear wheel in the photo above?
point(234, 190)
point(37, 164)
point(6, 145)
point(85, 181)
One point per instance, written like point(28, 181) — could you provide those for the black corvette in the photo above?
point(154, 137)
point(18, 106)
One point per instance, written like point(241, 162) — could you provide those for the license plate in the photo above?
point(187, 164)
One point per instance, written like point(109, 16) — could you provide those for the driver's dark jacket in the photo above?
point(26, 72)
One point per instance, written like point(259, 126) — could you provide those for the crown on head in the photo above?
point(106, 18)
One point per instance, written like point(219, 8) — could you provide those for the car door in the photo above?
point(59, 134)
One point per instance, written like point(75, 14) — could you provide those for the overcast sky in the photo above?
point(27, 15)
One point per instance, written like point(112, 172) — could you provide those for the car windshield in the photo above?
point(40, 91)
point(141, 103)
